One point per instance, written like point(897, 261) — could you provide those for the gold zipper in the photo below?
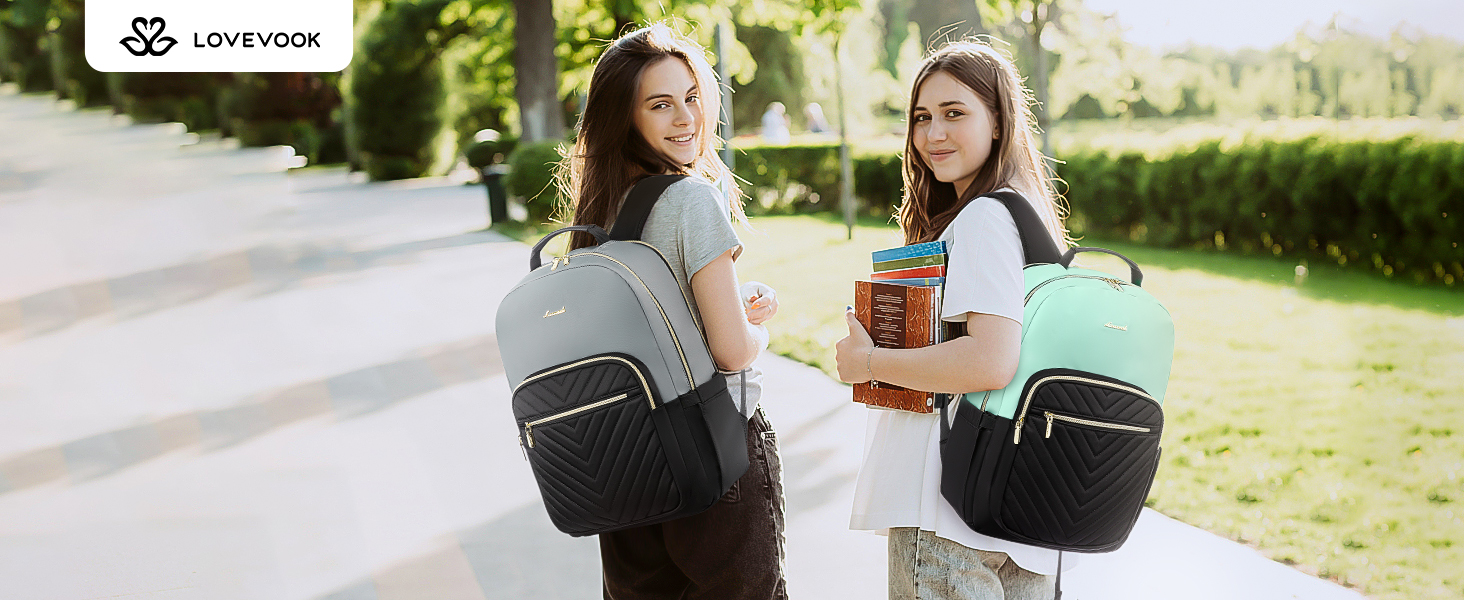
point(1051, 416)
point(681, 353)
point(586, 361)
point(1027, 402)
point(684, 297)
point(1117, 284)
point(529, 427)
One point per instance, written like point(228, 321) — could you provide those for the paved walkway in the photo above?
point(219, 380)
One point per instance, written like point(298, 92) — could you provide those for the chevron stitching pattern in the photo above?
point(567, 390)
point(603, 468)
point(1082, 486)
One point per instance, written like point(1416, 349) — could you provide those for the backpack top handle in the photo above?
point(1135, 275)
point(631, 220)
point(594, 230)
point(1037, 245)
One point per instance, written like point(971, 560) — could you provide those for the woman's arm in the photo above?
point(734, 341)
point(983, 359)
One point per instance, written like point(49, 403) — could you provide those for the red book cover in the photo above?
point(896, 316)
point(936, 271)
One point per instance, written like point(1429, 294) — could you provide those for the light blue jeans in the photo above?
point(926, 567)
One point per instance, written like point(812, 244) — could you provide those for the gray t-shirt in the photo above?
point(691, 226)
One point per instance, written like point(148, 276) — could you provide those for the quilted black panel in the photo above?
point(574, 387)
point(1093, 402)
point(603, 468)
point(1083, 486)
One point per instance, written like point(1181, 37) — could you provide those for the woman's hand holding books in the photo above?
point(852, 353)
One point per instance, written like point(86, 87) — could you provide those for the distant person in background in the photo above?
point(816, 121)
point(775, 124)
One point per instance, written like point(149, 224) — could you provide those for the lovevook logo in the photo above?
point(188, 36)
point(150, 39)
point(255, 39)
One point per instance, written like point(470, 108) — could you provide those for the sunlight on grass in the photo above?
point(1322, 423)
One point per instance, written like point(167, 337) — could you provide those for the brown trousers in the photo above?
point(732, 551)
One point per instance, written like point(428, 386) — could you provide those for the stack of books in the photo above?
point(900, 308)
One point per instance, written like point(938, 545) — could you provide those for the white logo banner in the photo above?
point(261, 36)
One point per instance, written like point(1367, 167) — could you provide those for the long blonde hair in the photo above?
point(610, 155)
point(929, 205)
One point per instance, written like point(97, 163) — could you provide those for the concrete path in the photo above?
point(220, 380)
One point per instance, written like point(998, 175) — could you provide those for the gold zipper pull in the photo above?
point(1049, 425)
point(1017, 436)
point(529, 433)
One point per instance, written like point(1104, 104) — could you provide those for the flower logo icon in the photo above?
point(150, 39)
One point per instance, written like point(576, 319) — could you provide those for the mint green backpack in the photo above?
point(1063, 456)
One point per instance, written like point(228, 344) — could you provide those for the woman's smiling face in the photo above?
point(954, 130)
point(668, 111)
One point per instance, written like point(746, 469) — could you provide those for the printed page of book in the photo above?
point(896, 316)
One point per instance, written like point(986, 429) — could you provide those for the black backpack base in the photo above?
point(1050, 480)
point(605, 459)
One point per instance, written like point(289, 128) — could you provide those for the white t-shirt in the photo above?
point(899, 481)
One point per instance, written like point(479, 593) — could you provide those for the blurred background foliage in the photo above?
point(1334, 146)
point(1334, 150)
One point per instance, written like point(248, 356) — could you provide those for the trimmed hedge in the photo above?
point(805, 178)
point(531, 177)
point(396, 91)
point(1394, 206)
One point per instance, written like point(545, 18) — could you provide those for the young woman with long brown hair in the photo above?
point(652, 109)
point(969, 133)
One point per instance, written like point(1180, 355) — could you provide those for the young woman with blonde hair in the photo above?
point(969, 133)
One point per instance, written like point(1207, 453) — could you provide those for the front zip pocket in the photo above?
point(1053, 417)
point(589, 430)
point(529, 427)
point(1077, 477)
point(1067, 382)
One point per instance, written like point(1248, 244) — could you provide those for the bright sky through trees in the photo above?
point(1262, 24)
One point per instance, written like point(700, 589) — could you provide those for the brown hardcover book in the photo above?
point(897, 316)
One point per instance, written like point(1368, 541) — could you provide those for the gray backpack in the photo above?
point(621, 411)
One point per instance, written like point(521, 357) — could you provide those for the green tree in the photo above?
point(24, 48)
point(395, 88)
point(73, 77)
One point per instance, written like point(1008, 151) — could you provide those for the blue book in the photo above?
point(916, 281)
point(926, 249)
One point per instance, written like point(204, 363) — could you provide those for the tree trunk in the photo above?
point(938, 16)
point(1040, 14)
point(537, 71)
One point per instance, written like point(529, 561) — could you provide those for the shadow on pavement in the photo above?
point(518, 555)
point(346, 395)
point(137, 294)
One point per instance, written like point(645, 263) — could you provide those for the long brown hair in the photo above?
point(610, 154)
point(929, 205)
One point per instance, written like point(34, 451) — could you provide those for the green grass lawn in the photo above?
point(1322, 423)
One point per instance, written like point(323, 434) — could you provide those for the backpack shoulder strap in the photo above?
point(631, 219)
point(1037, 245)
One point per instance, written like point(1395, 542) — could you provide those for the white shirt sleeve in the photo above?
point(984, 263)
